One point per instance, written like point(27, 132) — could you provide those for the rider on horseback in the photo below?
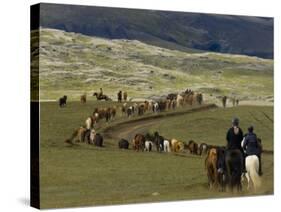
point(252, 146)
point(101, 93)
point(234, 138)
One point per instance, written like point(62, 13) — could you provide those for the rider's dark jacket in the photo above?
point(234, 138)
point(251, 144)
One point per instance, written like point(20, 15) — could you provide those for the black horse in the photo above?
point(162, 105)
point(123, 144)
point(224, 99)
point(62, 101)
point(101, 96)
point(98, 141)
point(159, 142)
point(221, 168)
point(149, 137)
point(172, 96)
point(199, 98)
point(234, 167)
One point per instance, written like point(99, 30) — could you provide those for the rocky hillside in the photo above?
point(72, 64)
point(174, 30)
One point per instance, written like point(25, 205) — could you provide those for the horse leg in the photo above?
point(87, 136)
point(209, 179)
point(248, 180)
point(260, 170)
point(216, 183)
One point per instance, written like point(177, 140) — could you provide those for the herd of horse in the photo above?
point(155, 142)
point(172, 99)
point(223, 168)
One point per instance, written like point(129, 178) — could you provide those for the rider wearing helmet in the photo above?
point(234, 136)
point(234, 139)
point(252, 146)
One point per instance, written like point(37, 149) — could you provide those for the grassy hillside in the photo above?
point(72, 64)
point(87, 175)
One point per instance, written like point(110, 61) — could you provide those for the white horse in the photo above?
point(96, 115)
point(167, 146)
point(150, 105)
point(88, 123)
point(148, 146)
point(179, 100)
point(92, 135)
point(252, 168)
point(91, 121)
point(155, 107)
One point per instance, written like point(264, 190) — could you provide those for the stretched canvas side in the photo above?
point(34, 106)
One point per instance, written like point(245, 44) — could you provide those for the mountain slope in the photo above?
point(72, 64)
point(174, 30)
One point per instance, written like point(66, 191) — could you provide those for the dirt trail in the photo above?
point(129, 128)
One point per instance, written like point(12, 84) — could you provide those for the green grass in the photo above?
point(211, 126)
point(87, 175)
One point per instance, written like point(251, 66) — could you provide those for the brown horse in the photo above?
point(113, 112)
point(138, 142)
point(211, 167)
point(176, 146)
point(99, 113)
point(168, 104)
point(192, 147)
point(125, 96)
point(78, 135)
point(189, 98)
point(141, 109)
point(83, 98)
point(146, 106)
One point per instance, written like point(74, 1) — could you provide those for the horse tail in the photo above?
point(206, 160)
point(74, 134)
point(68, 141)
point(150, 146)
point(252, 166)
point(168, 146)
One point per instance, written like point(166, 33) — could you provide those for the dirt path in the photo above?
point(129, 128)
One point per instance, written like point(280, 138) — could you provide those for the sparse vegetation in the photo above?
point(72, 64)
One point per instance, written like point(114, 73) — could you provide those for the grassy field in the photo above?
point(87, 175)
